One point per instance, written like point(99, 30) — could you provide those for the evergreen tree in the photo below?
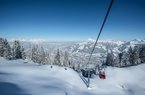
point(7, 50)
point(39, 56)
point(66, 59)
point(131, 56)
point(23, 53)
point(42, 57)
point(142, 54)
point(1, 47)
point(136, 55)
point(118, 61)
point(110, 59)
point(48, 58)
point(57, 59)
point(120, 57)
point(125, 59)
point(16, 50)
point(34, 54)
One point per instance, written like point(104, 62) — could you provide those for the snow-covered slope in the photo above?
point(121, 81)
point(17, 78)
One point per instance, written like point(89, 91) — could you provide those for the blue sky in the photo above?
point(71, 20)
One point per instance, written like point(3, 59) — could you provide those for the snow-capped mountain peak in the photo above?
point(36, 41)
point(90, 40)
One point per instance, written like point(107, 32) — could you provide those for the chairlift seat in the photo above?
point(102, 75)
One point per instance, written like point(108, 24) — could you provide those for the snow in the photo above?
point(121, 81)
point(19, 78)
point(81, 47)
point(34, 79)
point(112, 42)
point(91, 40)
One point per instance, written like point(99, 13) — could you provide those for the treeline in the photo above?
point(35, 54)
point(41, 56)
point(133, 56)
point(16, 51)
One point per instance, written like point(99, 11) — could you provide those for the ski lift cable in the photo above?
point(108, 11)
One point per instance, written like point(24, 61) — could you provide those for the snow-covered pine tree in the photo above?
point(1, 47)
point(125, 59)
point(136, 55)
point(34, 54)
point(48, 58)
point(110, 59)
point(23, 53)
point(42, 56)
point(39, 55)
point(70, 62)
point(120, 57)
point(142, 54)
point(133, 55)
point(57, 59)
point(66, 59)
point(118, 60)
point(30, 52)
point(130, 55)
point(7, 50)
point(16, 50)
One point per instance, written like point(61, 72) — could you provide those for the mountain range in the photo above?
point(79, 51)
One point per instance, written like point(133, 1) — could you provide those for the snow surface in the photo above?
point(19, 78)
